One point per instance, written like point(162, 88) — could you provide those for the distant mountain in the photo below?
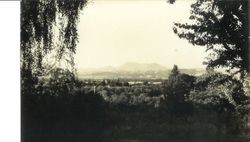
point(133, 67)
point(132, 70)
point(127, 67)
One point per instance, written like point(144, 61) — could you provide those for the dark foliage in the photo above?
point(117, 113)
point(67, 117)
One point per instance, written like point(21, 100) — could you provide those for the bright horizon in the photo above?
point(112, 33)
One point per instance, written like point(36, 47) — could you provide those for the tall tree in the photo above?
point(223, 27)
point(178, 85)
point(177, 90)
point(48, 27)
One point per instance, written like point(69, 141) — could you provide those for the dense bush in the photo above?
point(57, 82)
point(218, 85)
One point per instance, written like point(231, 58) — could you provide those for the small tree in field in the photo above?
point(175, 70)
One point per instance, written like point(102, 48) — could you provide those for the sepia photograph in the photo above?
point(135, 70)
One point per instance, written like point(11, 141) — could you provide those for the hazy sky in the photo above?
point(115, 32)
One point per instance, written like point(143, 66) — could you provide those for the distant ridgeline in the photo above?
point(133, 71)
